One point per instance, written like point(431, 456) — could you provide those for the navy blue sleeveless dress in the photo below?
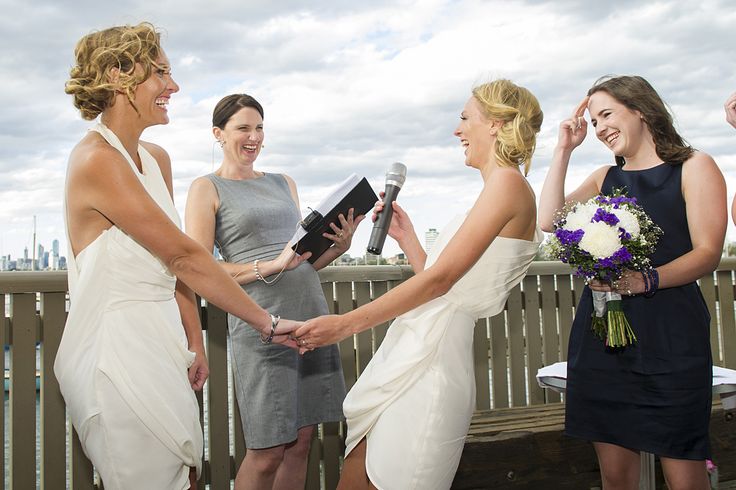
point(655, 395)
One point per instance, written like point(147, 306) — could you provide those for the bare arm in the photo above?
point(401, 229)
point(572, 132)
point(102, 182)
point(704, 190)
point(199, 371)
point(501, 195)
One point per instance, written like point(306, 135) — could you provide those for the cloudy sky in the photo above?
point(350, 87)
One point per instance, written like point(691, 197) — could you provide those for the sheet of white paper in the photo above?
point(555, 375)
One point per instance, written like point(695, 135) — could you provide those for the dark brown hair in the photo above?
point(637, 94)
point(231, 104)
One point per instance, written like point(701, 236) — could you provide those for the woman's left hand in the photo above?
point(320, 331)
point(629, 284)
point(730, 107)
point(199, 371)
point(344, 233)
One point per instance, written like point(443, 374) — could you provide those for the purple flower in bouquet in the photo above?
point(601, 238)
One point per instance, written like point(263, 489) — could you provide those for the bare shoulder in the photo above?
point(93, 157)
point(290, 181)
point(700, 168)
point(202, 186)
point(508, 182)
point(161, 157)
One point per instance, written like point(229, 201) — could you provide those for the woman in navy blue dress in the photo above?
point(654, 395)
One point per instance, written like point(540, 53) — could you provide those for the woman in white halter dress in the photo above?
point(131, 353)
point(409, 412)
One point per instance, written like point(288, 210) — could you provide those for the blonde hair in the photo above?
point(96, 54)
point(519, 111)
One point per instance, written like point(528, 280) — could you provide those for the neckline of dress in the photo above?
point(242, 180)
point(118, 145)
point(642, 169)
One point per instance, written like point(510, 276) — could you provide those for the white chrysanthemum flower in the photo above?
point(578, 219)
point(627, 221)
point(600, 240)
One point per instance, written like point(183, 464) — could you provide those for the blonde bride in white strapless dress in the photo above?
point(409, 412)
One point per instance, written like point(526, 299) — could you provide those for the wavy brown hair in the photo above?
point(96, 54)
point(522, 118)
point(637, 94)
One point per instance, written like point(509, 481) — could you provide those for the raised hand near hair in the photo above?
point(573, 130)
point(401, 226)
point(730, 108)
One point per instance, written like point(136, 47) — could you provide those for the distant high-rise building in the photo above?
point(25, 254)
point(55, 254)
point(430, 236)
point(45, 261)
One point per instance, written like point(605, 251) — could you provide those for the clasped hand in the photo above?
point(629, 284)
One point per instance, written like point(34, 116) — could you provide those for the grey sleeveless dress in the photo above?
point(278, 391)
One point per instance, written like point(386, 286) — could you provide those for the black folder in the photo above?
point(352, 193)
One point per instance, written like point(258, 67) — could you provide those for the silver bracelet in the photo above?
point(274, 322)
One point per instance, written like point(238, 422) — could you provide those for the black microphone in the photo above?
point(394, 180)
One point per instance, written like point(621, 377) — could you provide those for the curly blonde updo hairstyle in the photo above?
point(96, 54)
point(518, 109)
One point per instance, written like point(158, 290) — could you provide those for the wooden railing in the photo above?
point(509, 348)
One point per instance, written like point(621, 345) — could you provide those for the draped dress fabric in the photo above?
point(655, 395)
point(122, 362)
point(414, 401)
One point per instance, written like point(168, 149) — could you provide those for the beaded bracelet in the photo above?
point(259, 277)
point(274, 322)
point(651, 281)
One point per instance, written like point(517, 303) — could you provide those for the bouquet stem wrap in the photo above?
point(609, 322)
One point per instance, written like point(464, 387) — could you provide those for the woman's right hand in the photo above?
point(573, 130)
point(401, 226)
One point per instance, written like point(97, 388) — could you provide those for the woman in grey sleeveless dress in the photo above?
point(250, 217)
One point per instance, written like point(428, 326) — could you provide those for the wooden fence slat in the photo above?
point(708, 289)
point(533, 334)
point(344, 296)
point(728, 330)
point(550, 339)
point(314, 460)
point(332, 449)
point(564, 296)
point(22, 400)
point(499, 356)
point(379, 288)
point(81, 471)
point(53, 418)
point(365, 338)
point(218, 426)
point(238, 434)
point(517, 359)
point(481, 351)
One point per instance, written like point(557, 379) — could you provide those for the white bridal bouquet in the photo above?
point(601, 238)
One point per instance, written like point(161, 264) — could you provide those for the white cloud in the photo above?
point(353, 87)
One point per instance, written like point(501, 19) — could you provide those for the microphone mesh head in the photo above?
point(396, 174)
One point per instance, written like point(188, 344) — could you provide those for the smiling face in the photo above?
point(242, 136)
point(622, 130)
point(474, 131)
point(152, 95)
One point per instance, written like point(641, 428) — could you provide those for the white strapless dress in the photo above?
point(123, 358)
point(414, 401)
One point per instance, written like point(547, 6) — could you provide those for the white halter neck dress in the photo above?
point(122, 362)
point(414, 401)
